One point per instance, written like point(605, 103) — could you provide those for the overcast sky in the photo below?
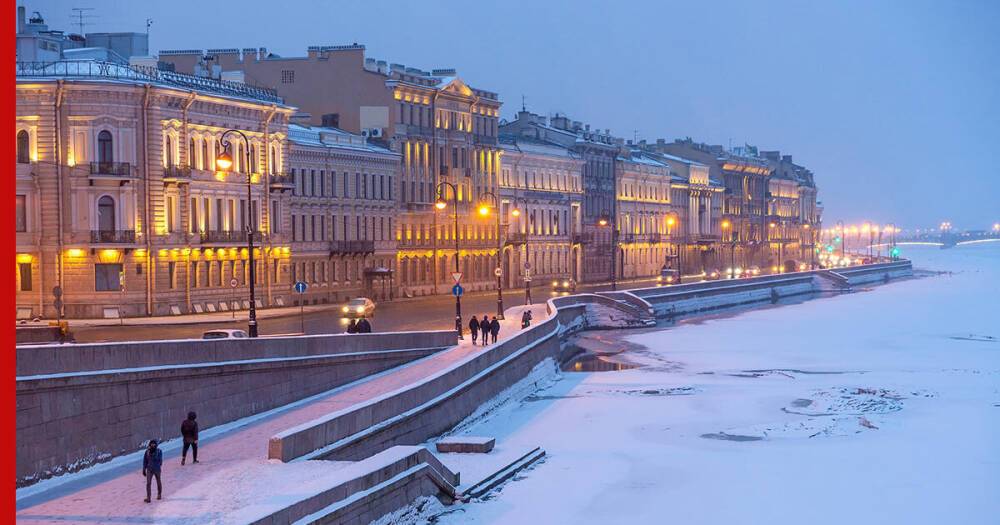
point(895, 105)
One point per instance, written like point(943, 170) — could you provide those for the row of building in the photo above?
point(121, 212)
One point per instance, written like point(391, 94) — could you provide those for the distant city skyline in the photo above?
point(894, 106)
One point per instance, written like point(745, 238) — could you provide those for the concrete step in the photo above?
point(466, 444)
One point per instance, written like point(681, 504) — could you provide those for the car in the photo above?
point(712, 275)
point(564, 285)
point(224, 334)
point(753, 271)
point(359, 307)
point(668, 276)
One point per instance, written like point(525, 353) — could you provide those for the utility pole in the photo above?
point(83, 16)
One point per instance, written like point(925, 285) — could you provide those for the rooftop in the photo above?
point(98, 70)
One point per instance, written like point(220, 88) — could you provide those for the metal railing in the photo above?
point(232, 237)
point(583, 237)
point(351, 247)
point(112, 236)
point(517, 238)
point(177, 172)
point(98, 69)
point(115, 169)
point(282, 180)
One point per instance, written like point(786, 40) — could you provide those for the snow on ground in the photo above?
point(881, 406)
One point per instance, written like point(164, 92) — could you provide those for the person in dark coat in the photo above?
point(364, 327)
point(474, 328)
point(152, 461)
point(495, 328)
point(484, 327)
point(352, 327)
point(526, 319)
point(189, 431)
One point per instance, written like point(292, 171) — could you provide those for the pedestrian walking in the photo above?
point(484, 327)
point(189, 431)
point(526, 319)
point(495, 328)
point(352, 327)
point(152, 461)
point(364, 327)
point(474, 329)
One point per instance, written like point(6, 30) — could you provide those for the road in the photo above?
point(423, 313)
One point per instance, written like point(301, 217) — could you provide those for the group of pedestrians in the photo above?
point(485, 326)
point(359, 327)
point(152, 459)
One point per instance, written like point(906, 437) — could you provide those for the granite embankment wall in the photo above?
point(81, 404)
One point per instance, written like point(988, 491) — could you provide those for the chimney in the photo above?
point(20, 19)
point(787, 158)
point(661, 142)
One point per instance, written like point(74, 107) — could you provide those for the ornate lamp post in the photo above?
point(224, 163)
point(441, 204)
point(727, 226)
point(604, 221)
point(484, 210)
point(516, 212)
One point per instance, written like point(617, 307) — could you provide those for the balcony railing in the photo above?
point(112, 236)
point(111, 169)
point(583, 237)
point(229, 237)
point(282, 181)
point(517, 238)
point(352, 247)
point(177, 173)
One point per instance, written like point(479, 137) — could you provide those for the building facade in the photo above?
point(120, 211)
point(793, 214)
point(444, 130)
point(644, 214)
point(541, 194)
point(342, 212)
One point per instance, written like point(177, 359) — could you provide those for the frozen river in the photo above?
point(881, 406)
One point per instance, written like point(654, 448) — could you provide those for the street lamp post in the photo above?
point(224, 163)
point(516, 212)
point(726, 226)
point(441, 205)
point(485, 210)
point(843, 238)
point(677, 252)
point(605, 220)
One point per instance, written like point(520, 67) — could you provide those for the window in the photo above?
point(105, 152)
point(287, 76)
point(194, 215)
point(106, 214)
point(274, 217)
point(23, 145)
point(172, 275)
point(20, 205)
point(253, 159)
point(107, 277)
point(271, 161)
point(24, 269)
point(204, 156)
point(191, 153)
point(171, 205)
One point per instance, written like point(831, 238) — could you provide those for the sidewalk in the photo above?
point(233, 470)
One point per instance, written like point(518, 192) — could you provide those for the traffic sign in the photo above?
point(457, 290)
point(57, 291)
point(498, 272)
point(300, 287)
point(233, 282)
point(527, 265)
point(457, 276)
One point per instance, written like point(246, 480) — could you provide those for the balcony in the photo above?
point(583, 237)
point(352, 247)
point(282, 182)
point(517, 238)
point(177, 174)
point(112, 236)
point(111, 170)
point(229, 237)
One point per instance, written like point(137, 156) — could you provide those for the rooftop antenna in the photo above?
point(83, 16)
point(635, 136)
point(149, 22)
point(523, 106)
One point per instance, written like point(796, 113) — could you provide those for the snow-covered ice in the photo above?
point(881, 406)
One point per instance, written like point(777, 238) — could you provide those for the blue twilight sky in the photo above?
point(895, 105)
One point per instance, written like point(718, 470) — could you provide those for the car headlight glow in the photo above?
point(359, 309)
point(346, 309)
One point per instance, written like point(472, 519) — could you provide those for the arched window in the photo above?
point(191, 153)
point(105, 151)
point(106, 214)
point(169, 153)
point(204, 155)
point(253, 159)
point(272, 161)
point(23, 145)
point(240, 158)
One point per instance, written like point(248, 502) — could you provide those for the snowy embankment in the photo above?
point(875, 407)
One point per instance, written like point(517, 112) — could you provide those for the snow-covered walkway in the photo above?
point(232, 470)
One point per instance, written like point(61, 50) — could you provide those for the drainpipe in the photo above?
point(60, 89)
point(147, 226)
point(38, 244)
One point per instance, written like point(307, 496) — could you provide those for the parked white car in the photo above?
point(359, 307)
point(224, 334)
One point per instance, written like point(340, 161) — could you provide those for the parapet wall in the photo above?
point(69, 420)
